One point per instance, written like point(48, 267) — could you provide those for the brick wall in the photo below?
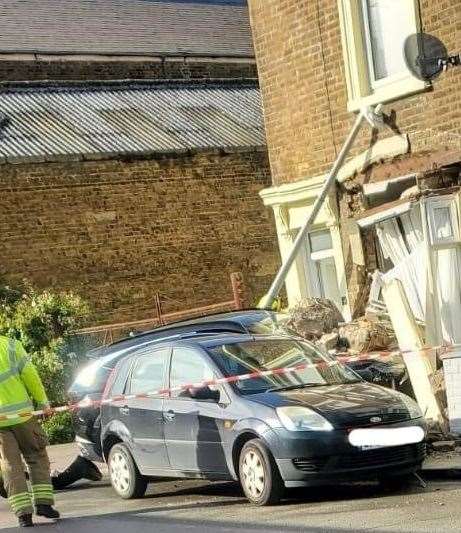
point(28, 69)
point(301, 72)
point(117, 231)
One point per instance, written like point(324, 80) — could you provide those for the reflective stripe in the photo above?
point(13, 370)
point(22, 363)
point(14, 407)
point(44, 487)
point(19, 496)
point(8, 374)
point(23, 499)
point(12, 353)
point(20, 501)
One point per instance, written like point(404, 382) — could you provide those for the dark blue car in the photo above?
point(315, 425)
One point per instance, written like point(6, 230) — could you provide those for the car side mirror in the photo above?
point(205, 394)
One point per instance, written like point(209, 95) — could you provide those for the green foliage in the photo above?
point(59, 429)
point(43, 321)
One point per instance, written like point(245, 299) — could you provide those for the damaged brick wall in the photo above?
point(351, 203)
point(302, 76)
point(301, 70)
point(118, 231)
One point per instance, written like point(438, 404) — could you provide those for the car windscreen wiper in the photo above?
point(298, 386)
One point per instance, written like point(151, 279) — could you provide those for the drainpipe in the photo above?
point(375, 118)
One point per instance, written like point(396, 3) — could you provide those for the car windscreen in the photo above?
point(315, 368)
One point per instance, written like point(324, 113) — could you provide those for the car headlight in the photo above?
point(302, 419)
point(413, 408)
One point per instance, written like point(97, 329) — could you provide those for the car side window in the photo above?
point(119, 382)
point(148, 372)
point(188, 366)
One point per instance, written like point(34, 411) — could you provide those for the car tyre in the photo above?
point(125, 478)
point(259, 475)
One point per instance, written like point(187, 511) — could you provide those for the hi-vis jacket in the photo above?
point(20, 383)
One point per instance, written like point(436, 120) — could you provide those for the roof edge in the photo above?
point(132, 83)
point(178, 54)
point(129, 157)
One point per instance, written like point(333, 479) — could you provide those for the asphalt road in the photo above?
point(202, 507)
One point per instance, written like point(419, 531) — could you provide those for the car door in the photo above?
point(144, 416)
point(193, 428)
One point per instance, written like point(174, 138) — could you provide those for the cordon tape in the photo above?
point(372, 356)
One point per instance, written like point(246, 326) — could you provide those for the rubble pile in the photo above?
point(440, 392)
point(311, 318)
point(318, 320)
point(368, 334)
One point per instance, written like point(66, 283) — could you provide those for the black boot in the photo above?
point(81, 468)
point(3, 493)
point(25, 520)
point(47, 511)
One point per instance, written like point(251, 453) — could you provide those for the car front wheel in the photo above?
point(259, 474)
point(125, 478)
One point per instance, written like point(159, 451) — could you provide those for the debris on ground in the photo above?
point(438, 386)
point(444, 446)
point(367, 334)
point(313, 317)
point(329, 341)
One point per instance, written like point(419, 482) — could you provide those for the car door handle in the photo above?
point(124, 410)
point(169, 416)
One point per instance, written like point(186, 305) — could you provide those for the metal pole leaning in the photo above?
point(375, 119)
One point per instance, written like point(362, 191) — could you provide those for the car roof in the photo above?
point(204, 340)
point(231, 321)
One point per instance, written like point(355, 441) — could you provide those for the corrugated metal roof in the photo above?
point(49, 123)
point(126, 27)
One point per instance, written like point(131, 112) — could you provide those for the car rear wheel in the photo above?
point(125, 478)
point(259, 475)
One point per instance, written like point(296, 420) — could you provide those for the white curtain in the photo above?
point(408, 257)
point(408, 253)
point(448, 262)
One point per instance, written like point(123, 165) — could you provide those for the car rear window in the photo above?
point(118, 384)
point(148, 373)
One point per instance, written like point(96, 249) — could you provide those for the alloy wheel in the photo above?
point(120, 473)
point(254, 477)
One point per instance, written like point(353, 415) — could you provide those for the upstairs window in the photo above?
point(373, 36)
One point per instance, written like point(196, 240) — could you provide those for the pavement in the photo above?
point(198, 506)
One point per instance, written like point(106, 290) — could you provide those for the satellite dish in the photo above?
point(426, 56)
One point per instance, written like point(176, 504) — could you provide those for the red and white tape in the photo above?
point(231, 379)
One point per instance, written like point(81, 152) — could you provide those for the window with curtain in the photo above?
point(444, 231)
point(402, 242)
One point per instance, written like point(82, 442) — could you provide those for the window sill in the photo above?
point(388, 93)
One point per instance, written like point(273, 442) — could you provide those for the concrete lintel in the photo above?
point(383, 149)
point(309, 188)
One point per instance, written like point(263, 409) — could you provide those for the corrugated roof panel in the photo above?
point(123, 119)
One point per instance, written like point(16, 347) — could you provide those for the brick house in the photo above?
point(398, 194)
point(132, 152)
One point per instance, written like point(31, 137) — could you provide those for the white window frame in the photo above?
point(311, 268)
point(448, 202)
point(362, 90)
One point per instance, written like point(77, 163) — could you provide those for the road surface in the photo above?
point(191, 506)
